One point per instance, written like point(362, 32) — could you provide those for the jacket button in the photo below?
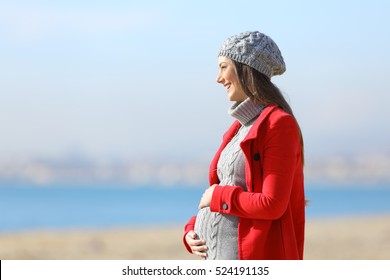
point(225, 206)
point(256, 156)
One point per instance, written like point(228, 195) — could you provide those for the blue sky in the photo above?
point(136, 79)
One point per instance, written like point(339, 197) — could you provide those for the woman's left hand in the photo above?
point(206, 198)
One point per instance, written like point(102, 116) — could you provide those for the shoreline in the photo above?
point(353, 238)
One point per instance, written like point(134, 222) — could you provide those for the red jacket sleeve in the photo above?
point(280, 156)
point(188, 227)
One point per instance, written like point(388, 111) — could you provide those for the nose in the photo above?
point(219, 78)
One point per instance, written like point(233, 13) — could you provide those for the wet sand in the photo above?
point(343, 238)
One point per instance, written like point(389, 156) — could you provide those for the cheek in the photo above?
point(237, 83)
point(233, 77)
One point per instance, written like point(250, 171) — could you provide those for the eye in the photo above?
point(222, 66)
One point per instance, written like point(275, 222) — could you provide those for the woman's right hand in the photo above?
point(198, 247)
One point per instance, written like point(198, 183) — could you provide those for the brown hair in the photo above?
point(259, 88)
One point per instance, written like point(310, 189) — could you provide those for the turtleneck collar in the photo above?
point(245, 111)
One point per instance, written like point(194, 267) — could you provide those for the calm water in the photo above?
point(55, 207)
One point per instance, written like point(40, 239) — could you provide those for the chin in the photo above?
point(236, 98)
point(232, 98)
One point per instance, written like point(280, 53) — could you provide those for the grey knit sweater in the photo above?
point(220, 230)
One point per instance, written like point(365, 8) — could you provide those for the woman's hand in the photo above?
point(197, 246)
point(206, 198)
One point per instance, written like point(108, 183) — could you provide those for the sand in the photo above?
point(343, 238)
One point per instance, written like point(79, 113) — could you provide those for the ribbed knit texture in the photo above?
point(220, 230)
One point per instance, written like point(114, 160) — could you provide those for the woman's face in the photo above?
point(227, 76)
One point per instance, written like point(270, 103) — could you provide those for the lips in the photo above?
point(227, 86)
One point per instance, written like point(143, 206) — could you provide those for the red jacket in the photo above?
point(272, 212)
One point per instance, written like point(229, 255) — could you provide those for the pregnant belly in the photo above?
point(220, 233)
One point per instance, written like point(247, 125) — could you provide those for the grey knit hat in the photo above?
point(256, 50)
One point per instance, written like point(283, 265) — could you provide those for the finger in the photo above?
point(202, 253)
point(191, 237)
point(201, 249)
point(191, 234)
point(197, 242)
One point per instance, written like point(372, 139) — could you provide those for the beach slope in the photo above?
point(342, 238)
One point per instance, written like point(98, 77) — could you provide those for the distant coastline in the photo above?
point(338, 169)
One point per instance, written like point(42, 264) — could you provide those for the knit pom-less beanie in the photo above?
point(256, 50)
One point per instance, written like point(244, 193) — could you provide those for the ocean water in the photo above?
point(25, 207)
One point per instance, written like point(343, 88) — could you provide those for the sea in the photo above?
point(25, 206)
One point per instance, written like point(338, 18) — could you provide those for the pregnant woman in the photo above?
point(255, 205)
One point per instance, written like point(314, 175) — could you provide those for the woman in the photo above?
point(255, 205)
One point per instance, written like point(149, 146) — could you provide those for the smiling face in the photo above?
point(227, 76)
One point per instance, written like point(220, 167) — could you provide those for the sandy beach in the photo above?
point(342, 238)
